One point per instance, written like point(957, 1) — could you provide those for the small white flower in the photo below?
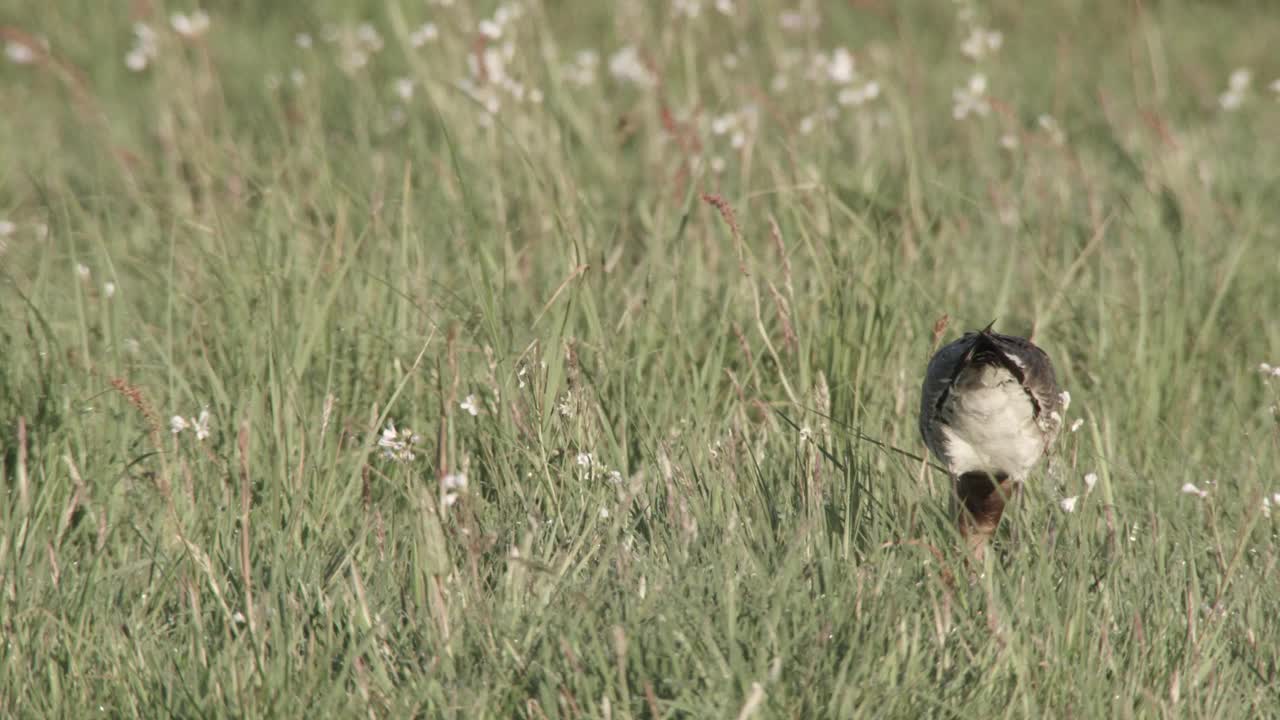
point(1076, 425)
point(108, 289)
point(584, 459)
point(1068, 504)
point(449, 499)
point(398, 444)
point(1065, 397)
point(82, 270)
point(6, 228)
point(201, 424)
point(132, 346)
point(177, 424)
point(19, 53)
point(1052, 129)
point(971, 99)
point(423, 35)
point(404, 88)
point(615, 477)
point(725, 7)
point(687, 8)
point(1090, 479)
point(625, 64)
point(190, 26)
point(369, 37)
point(1009, 141)
point(297, 77)
point(980, 42)
point(136, 60)
point(490, 29)
point(469, 404)
point(806, 434)
point(144, 48)
point(303, 40)
point(840, 68)
point(604, 513)
point(1191, 489)
point(454, 481)
point(1240, 79)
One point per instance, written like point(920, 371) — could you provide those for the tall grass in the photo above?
point(667, 313)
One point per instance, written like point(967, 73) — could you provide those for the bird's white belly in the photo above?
point(991, 426)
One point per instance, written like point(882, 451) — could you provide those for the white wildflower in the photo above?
point(19, 53)
point(1052, 129)
point(840, 67)
point(725, 7)
point(404, 88)
point(7, 227)
point(615, 477)
point(565, 406)
point(584, 460)
point(190, 26)
point(625, 64)
point(201, 424)
point(1065, 397)
point(303, 40)
point(454, 481)
point(1076, 425)
point(82, 270)
point(980, 42)
point(1191, 489)
point(108, 290)
point(490, 29)
point(425, 33)
point(470, 405)
point(1090, 479)
point(1068, 504)
point(1240, 79)
point(177, 424)
point(1009, 141)
point(604, 513)
point(859, 95)
point(1237, 88)
point(369, 37)
point(688, 8)
point(144, 48)
point(582, 71)
point(398, 444)
point(971, 99)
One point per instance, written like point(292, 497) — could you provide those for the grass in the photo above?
point(308, 256)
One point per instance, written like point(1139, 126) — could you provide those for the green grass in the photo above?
point(309, 262)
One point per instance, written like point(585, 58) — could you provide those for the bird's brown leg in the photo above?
point(981, 501)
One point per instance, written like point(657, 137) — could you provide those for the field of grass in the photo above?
point(646, 289)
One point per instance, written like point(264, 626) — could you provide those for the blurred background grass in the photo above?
point(486, 224)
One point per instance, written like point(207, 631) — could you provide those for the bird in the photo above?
point(990, 409)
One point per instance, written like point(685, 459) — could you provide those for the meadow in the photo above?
point(555, 359)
